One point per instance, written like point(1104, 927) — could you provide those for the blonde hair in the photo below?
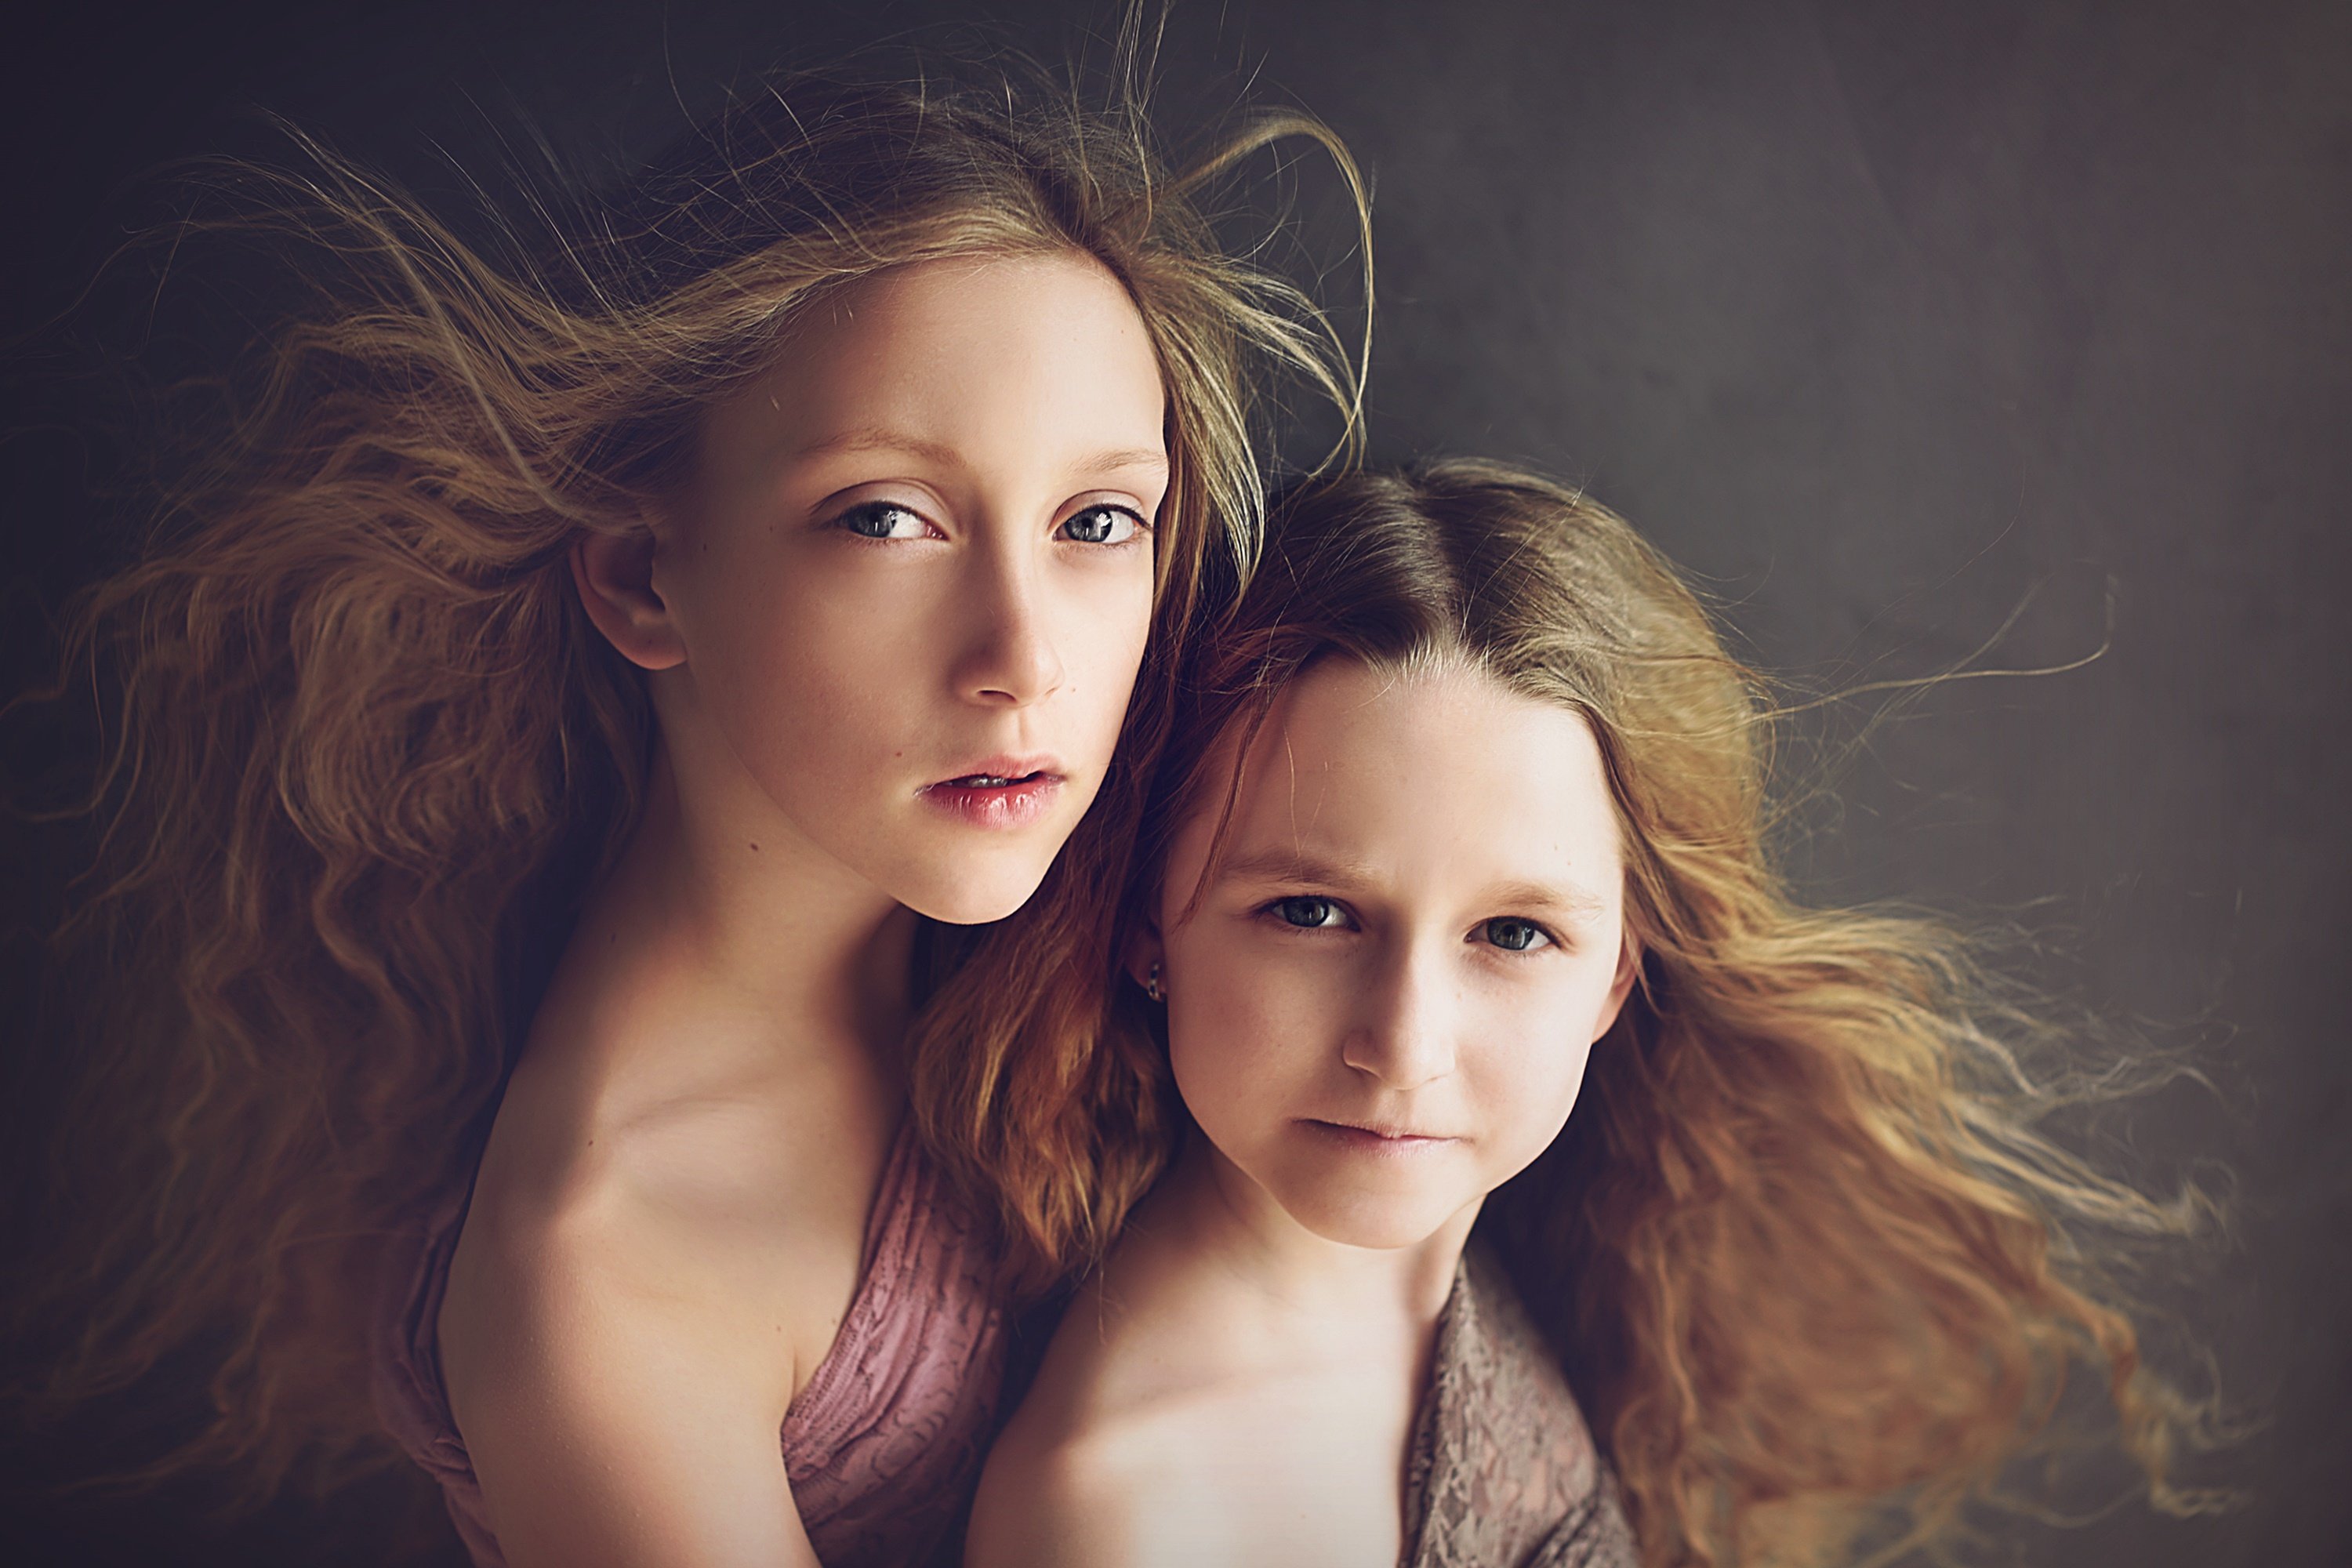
point(363, 751)
point(1806, 1262)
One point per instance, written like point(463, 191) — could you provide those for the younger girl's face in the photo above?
point(899, 610)
point(1382, 1008)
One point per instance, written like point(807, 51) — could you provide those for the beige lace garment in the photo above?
point(1503, 1472)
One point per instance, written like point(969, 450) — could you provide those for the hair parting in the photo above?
point(1809, 1260)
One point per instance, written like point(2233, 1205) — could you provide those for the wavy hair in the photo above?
point(362, 752)
point(1803, 1252)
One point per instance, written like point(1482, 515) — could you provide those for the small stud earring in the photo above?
point(1151, 987)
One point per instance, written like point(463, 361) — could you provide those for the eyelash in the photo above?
point(1275, 909)
point(1548, 939)
point(847, 521)
point(1142, 526)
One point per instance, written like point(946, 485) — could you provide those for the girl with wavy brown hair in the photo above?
point(1465, 823)
point(562, 707)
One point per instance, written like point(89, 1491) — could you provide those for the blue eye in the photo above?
point(1309, 913)
point(1514, 935)
point(1101, 525)
point(882, 520)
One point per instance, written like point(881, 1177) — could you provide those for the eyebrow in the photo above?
point(1292, 866)
point(873, 439)
point(1571, 902)
point(1299, 865)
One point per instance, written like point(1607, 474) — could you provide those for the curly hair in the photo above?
point(1803, 1252)
point(363, 753)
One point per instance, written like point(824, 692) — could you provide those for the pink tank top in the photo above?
point(884, 1444)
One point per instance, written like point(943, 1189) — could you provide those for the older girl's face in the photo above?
point(1380, 1009)
point(900, 607)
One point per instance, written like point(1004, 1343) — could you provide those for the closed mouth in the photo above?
point(1386, 1134)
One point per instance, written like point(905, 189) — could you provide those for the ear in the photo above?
point(614, 574)
point(1621, 985)
point(1144, 951)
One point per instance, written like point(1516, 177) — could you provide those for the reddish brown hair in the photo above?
point(1807, 1262)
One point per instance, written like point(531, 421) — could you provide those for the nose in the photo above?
point(1010, 658)
point(1403, 1034)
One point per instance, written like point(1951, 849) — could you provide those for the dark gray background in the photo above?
point(1887, 320)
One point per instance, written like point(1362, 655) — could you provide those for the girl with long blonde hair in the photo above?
point(560, 713)
point(1466, 823)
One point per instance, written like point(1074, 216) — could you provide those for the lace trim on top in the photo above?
point(1503, 1472)
point(882, 1445)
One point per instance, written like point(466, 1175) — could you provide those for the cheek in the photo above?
point(1532, 1088)
point(1100, 628)
point(801, 660)
point(1528, 1066)
point(1242, 1031)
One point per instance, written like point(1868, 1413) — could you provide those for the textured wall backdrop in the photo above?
point(1887, 318)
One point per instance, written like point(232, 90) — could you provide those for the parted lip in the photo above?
point(1394, 1132)
point(1001, 766)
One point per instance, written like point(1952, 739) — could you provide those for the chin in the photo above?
point(978, 896)
point(1368, 1221)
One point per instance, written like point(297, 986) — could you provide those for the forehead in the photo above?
point(974, 354)
point(1440, 775)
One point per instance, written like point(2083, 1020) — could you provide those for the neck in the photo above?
point(1213, 1221)
point(738, 907)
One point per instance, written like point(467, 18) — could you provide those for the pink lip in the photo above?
point(1003, 791)
point(1375, 1140)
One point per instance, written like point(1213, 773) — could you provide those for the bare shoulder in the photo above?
point(1148, 1487)
point(644, 1280)
point(617, 1393)
point(557, 1250)
point(1170, 1424)
point(1094, 1468)
point(589, 1300)
point(731, 1213)
point(1074, 1496)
